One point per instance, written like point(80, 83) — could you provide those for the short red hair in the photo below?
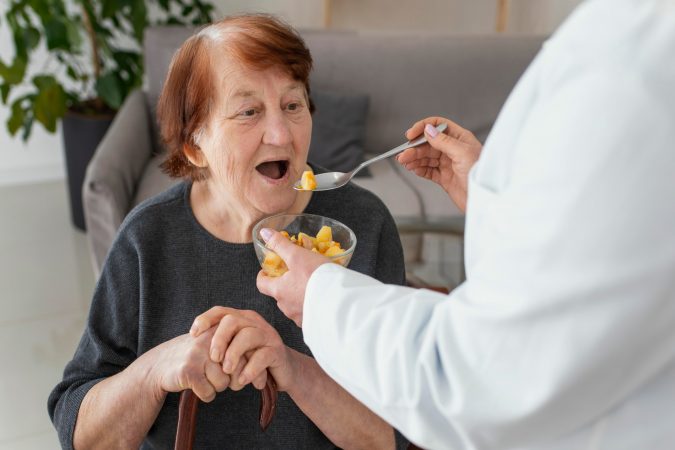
point(259, 41)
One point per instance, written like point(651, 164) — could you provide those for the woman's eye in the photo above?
point(293, 106)
point(248, 113)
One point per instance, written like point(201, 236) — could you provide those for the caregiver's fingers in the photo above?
point(419, 152)
point(454, 129)
point(424, 162)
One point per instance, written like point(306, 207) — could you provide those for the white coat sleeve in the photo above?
point(568, 307)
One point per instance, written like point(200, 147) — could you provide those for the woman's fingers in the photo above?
point(258, 363)
point(235, 385)
point(202, 388)
point(246, 340)
point(260, 381)
point(228, 327)
point(208, 319)
point(216, 377)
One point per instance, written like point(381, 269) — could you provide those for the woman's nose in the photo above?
point(277, 131)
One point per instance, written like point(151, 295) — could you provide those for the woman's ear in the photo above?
point(194, 155)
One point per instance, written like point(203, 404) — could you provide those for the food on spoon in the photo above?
point(308, 182)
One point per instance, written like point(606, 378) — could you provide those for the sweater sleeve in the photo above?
point(109, 342)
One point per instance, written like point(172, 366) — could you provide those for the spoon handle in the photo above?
point(394, 151)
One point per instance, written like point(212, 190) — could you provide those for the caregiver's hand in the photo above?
point(246, 346)
point(289, 288)
point(183, 363)
point(446, 159)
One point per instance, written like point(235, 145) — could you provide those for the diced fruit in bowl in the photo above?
point(333, 239)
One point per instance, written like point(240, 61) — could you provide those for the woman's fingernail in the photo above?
point(431, 130)
point(242, 379)
point(266, 234)
point(227, 367)
point(215, 355)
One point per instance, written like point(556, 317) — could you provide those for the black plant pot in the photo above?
point(81, 135)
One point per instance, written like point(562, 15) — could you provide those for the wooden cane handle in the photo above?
point(268, 402)
point(187, 417)
point(189, 403)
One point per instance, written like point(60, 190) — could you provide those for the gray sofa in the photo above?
point(406, 76)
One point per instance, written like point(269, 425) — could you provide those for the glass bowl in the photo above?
point(306, 223)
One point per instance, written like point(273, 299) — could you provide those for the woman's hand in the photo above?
point(446, 159)
point(183, 363)
point(246, 346)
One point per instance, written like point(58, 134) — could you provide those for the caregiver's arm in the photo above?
point(568, 307)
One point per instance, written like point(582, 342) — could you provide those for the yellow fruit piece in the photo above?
point(325, 234)
point(308, 182)
point(285, 233)
point(333, 251)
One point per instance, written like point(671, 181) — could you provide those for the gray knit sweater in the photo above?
point(162, 271)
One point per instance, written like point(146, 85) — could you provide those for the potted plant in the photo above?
point(94, 62)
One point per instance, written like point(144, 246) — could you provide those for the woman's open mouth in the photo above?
point(274, 171)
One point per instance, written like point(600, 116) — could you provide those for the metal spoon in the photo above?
point(334, 180)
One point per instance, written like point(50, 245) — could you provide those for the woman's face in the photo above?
point(257, 136)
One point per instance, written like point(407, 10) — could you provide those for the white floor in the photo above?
point(46, 283)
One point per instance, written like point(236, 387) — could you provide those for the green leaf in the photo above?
point(109, 8)
point(70, 71)
point(56, 33)
point(110, 88)
point(16, 118)
point(13, 74)
point(31, 38)
point(73, 32)
point(164, 4)
point(49, 105)
point(44, 81)
point(139, 18)
point(4, 92)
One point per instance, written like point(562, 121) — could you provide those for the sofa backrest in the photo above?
point(407, 76)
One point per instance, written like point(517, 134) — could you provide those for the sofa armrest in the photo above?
point(113, 174)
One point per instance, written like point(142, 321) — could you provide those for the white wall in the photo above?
point(42, 157)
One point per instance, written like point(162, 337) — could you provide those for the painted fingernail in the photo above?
point(266, 234)
point(431, 130)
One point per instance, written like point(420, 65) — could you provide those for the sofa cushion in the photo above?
point(153, 180)
point(339, 130)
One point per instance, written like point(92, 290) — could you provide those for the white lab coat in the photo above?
point(563, 335)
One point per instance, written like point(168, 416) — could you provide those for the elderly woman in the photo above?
point(235, 117)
